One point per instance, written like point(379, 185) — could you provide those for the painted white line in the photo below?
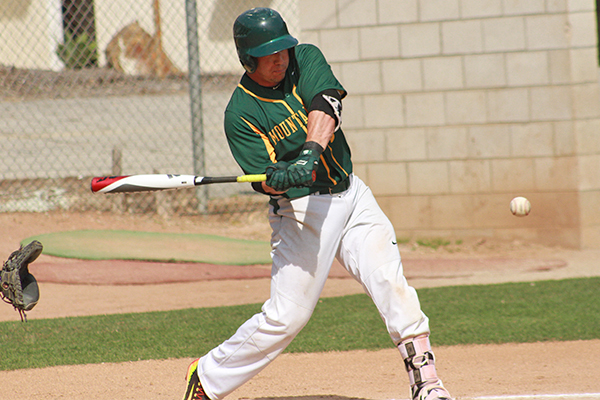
point(539, 396)
point(533, 396)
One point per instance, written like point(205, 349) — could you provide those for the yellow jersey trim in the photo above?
point(265, 139)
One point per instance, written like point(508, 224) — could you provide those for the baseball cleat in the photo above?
point(194, 388)
point(430, 391)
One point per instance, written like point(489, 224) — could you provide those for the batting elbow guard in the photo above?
point(330, 102)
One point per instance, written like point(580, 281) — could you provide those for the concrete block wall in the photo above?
point(17, 35)
point(457, 106)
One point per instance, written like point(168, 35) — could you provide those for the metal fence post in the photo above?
point(195, 85)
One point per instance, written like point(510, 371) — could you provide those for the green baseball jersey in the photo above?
point(266, 125)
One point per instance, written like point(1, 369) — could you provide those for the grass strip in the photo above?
point(514, 312)
point(153, 246)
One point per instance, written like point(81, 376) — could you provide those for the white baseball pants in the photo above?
point(308, 233)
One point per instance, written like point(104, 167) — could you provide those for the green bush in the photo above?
point(78, 52)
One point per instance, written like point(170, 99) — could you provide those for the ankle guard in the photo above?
point(418, 360)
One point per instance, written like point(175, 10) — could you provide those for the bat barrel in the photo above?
point(152, 182)
point(141, 183)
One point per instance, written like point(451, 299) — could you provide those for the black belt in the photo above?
point(339, 188)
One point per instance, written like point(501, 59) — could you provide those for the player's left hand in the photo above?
point(277, 176)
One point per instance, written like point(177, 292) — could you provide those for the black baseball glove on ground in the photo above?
point(18, 286)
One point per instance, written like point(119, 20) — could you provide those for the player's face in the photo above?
point(271, 69)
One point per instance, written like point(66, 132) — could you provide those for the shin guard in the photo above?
point(420, 365)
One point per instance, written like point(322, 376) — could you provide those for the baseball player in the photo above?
point(284, 119)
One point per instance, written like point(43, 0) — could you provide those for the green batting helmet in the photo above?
point(260, 32)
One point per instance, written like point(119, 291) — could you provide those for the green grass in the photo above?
point(434, 243)
point(153, 246)
point(515, 312)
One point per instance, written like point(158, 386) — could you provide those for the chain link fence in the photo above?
point(117, 87)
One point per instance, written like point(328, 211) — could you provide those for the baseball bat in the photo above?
point(153, 182)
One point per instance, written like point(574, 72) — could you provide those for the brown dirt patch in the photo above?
point(126, 272)
point(468, 371)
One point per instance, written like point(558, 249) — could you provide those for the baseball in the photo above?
point(520, 206)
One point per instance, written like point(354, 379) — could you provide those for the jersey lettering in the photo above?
point(290, 125)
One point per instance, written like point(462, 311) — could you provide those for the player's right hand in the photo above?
point(277, 176)
point(303, 171)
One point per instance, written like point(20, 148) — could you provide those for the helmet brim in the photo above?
point(274, 46)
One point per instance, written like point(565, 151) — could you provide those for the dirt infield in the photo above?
point(468, 371)
point(125, 272)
